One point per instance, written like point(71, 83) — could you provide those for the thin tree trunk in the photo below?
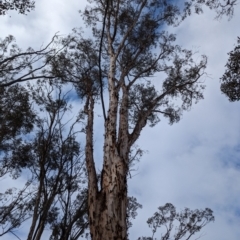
point(36, 208)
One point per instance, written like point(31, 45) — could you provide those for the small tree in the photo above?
point(186, 223)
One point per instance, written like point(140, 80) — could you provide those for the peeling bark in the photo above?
point(107, 206)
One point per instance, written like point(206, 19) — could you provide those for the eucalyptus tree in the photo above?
point(135, 47)
point(55, 160)
point(134, 68)
point(41, 148)
point(19, 153)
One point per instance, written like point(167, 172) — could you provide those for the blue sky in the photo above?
point(194, 163)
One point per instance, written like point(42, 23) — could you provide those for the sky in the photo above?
point(194, 163)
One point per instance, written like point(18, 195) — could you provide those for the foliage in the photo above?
point(55, 190)
point(230, 81)
point(76, 64)
point(16, 116)
point(22, 6)
point(20, 66)
point(221, 7)
point(13, 214)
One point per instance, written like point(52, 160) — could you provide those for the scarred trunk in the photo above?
point(107, 205)
point(110, 217)
point(108, 202)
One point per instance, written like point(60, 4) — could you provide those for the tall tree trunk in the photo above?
point(107, 205)
point(107, 209)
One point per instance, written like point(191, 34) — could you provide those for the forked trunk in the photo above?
point(108, 209)
point(107, 205)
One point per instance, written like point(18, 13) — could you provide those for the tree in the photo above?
point(22, 6)
point(189, 222)
point(128, 48)
point(126, 51)
point(55, 191)
point(230, 81)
